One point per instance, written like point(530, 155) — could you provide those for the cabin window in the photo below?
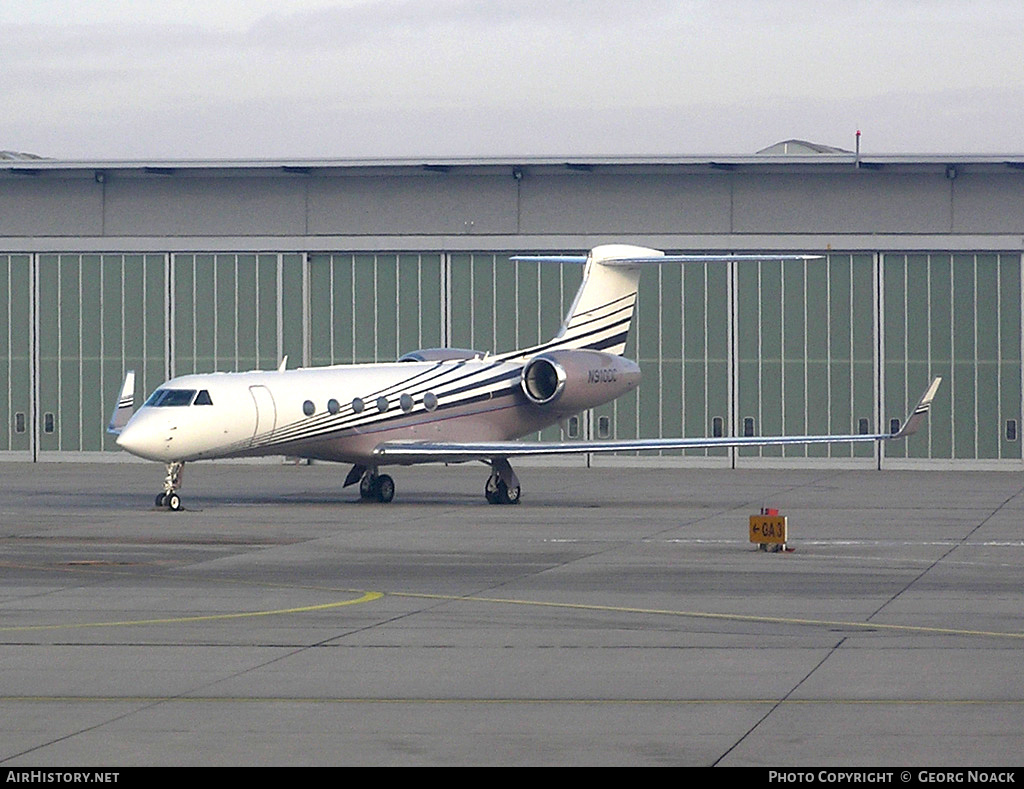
point(358, 405)
point(406, 402)
point(382, 404)
point(430, 401)
point(308, 408)
point(333, 406)
point(163, 398)
point(203, 398)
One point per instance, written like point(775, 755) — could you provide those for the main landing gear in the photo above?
point(379, 487)
point(169, 498)
point(503, 485)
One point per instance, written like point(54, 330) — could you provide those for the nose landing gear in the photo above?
point(168, 498)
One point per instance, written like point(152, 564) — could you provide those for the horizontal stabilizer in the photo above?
point(634, 260)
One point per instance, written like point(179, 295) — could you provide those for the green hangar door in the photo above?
point(373, 308)
point(97, 316)
point(16, 432)
point(805, 339)
point(236, 312)
point(958, 316)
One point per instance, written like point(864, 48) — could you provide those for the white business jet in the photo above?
point(432, 405)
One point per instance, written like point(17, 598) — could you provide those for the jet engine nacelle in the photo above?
point(441, 355)
point(574, 380)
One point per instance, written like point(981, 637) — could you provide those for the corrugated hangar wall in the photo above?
point(174, 270)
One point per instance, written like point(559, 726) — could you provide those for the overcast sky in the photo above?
point(112, 79)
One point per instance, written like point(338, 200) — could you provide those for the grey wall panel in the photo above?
point(430, 203)
point(47, 207)
point(865, 202)
point(627, 203)
point(173, 206)
point(988, 204)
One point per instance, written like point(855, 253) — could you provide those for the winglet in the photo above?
point(125, 405)
point(918, 415)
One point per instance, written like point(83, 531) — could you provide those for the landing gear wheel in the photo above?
point(385, 488)
point(161, 499)
point(174, 503)
point(491, 490)
point(367, 487)
point(507, 495)
point(497, 492)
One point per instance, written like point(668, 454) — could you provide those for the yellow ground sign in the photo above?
point(768, 529)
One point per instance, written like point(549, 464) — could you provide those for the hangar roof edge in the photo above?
point(299, 166)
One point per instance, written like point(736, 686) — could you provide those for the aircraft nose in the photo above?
point(142, 440)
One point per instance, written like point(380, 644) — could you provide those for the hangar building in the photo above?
point(171, 267)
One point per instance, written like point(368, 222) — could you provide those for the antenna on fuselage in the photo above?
point(283, 364)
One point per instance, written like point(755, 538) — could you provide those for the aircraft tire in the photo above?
point(174, 503)
point(385, 488)
point(507, 495)
point(368, 487)
point(491, 490)
point(161, 499)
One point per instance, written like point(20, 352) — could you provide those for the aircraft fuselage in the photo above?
point(342, 412)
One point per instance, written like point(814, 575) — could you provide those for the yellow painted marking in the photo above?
point(366, 598)
point(725, 617)
point(371, 596)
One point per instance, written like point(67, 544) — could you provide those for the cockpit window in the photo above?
point(203, 398)
point(171, 397)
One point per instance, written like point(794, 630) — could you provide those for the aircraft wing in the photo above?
point(446, 451)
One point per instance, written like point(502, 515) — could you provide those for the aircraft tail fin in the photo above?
point(602, 311)
point(125, 405)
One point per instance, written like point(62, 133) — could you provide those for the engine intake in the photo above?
point(543, 379)
point(574, 380)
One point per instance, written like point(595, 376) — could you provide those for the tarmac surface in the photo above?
point(616, 617)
